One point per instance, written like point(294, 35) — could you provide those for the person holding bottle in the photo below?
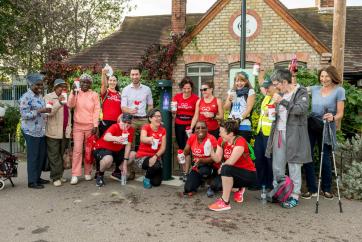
point(263, 164)
point(114, 146)
point(33, 111)
point(199, 146)
point(288, 142)
point(110, 99)
point(58, 129)
point(85, 103)
point(152, 147)
point(183, 107)
point(208, 109)
point(240, 102)
point(237, 169)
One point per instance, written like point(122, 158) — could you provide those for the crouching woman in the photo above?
point(114, 146)
point(237, 170)
point(152, 147)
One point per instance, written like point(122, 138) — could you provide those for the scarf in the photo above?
point(242, 92)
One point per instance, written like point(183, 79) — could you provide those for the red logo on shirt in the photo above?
point(198, 151)
point(227, 152)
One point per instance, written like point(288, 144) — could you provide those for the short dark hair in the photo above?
point(230, 126)
point(210, 84)
point(152, 113)
point(135, 68)
point(281, 75)
point(332, 73)
point(186, 80)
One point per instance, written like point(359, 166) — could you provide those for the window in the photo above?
point(200, 72)
point(285, 64)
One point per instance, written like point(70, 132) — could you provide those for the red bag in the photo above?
point(89, 147)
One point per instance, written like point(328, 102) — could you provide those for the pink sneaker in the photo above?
point(219, 205)
point(239, 195)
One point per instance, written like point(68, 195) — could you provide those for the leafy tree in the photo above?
point(31, 29)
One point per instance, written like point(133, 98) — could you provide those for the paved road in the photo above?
point(131, 213)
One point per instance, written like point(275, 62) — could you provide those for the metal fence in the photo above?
point(12, 145)
point(10, 94)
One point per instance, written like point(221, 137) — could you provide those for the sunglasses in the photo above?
point(203, 89)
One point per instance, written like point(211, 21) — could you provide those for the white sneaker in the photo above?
point(57, 183)
point(88, 177)
point(74, 180)
point(63, 180)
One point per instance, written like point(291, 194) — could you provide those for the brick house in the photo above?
point(211, 49)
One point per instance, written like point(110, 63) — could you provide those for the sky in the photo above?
point(159, 7)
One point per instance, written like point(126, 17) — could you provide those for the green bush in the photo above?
point(11, 119)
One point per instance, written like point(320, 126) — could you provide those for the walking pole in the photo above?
point(320, 167)
point(335, 169)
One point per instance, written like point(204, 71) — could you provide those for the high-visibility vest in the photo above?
point(264, 122)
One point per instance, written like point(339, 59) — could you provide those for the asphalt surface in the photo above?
point(84, 212)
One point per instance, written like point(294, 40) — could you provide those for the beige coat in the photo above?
point(54, 126)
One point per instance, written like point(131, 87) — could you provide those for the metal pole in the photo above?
point(243, 34)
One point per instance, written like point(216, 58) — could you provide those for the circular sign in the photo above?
point(251, 25)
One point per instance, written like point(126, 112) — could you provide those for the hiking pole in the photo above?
point(320, 167)
point(335, 168)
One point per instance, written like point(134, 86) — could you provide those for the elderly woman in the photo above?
point(33, 116)
point(327, 104)
point(86, 114)
point(58, 130)
point(208, 109)
point(237, 170)
point(241, 104)
point(186, 102)
point(152, 147)
point(288, 142)
point(111, 101)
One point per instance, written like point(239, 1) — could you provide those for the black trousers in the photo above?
point(181, 136)
point(154, 173)
point(195, 178)
point(242, 177)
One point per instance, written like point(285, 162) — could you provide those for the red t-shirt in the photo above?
point(111, 106)
point(115, 130)
point(185, 108)
point(197, 148)
point(244, 161)
point(146, 149)
point(212, 107)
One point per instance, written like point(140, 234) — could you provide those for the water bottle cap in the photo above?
point(180, 151)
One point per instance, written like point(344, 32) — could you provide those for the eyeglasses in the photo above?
point(203, 89)
point(200, 127)
point(156, 116)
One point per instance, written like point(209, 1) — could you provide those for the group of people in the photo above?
point(215, 151)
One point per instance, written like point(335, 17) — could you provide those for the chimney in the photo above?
point(178, 18)
point(325, 6)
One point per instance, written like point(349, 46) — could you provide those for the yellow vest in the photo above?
point(264, 122)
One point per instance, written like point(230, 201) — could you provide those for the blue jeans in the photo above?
point(36, 155)
point(264, 169)
point(316, 138)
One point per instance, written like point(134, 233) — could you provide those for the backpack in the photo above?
point(251, 150)
point(282, 191)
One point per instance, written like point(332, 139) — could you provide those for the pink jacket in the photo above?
point(86, 107)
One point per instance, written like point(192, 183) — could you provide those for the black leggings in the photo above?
point(242, 177)
point(154, 173)
point(181, 136)
point(195, 178)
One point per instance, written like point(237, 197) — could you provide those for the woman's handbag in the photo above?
point(68, 156)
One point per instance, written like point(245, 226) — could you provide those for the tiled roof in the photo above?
point(321, 25)
point(125, 47)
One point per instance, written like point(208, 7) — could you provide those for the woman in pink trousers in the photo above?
point(86, 115)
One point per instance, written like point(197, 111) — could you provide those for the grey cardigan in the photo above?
point(297, 139)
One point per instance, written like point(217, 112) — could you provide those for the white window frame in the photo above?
point(200, 74)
